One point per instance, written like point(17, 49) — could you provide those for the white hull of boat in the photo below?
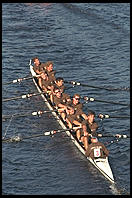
point(101, 164)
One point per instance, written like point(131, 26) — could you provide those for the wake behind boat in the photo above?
point(101, 164)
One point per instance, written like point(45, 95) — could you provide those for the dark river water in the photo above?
point(88, 43)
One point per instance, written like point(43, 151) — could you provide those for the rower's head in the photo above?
point(59, 81)
point(57, 92)
point(76, 99)
point(94, 140)
point(49, 66)
point(44, 75)
point(70, 110)
point(91, 116)
point(36, 61)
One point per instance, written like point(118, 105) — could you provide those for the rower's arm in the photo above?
point(84, 116)
point(62, 106)
point(77, 123)
point(69, 123)
point(37, 71)
point(44, 88)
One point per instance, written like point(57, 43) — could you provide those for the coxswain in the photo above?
point(96, 149)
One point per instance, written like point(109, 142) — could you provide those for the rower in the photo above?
point(75, 103)
point(96, 149)
point(90, 122)
point(50, 71)
point(59, 102)
point(71, 118)
point(79, 112)
point(45, 83)
point(59, 83)
point(38, 66)
point(74, 124)
point(66, 99)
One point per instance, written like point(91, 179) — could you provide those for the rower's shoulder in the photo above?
point(65, 94)
point(42, 64)
point(80, 105)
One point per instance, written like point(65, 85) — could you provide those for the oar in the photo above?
point(104, 101)
point(22, 97)
point(85, 85)
point(20, 79)
point(45, 133)
point(116, 135)
point(102, 116)
point(111, 141)
point(28, 114)
point(92, 86)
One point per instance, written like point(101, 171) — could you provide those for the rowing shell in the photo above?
point(101, 164)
